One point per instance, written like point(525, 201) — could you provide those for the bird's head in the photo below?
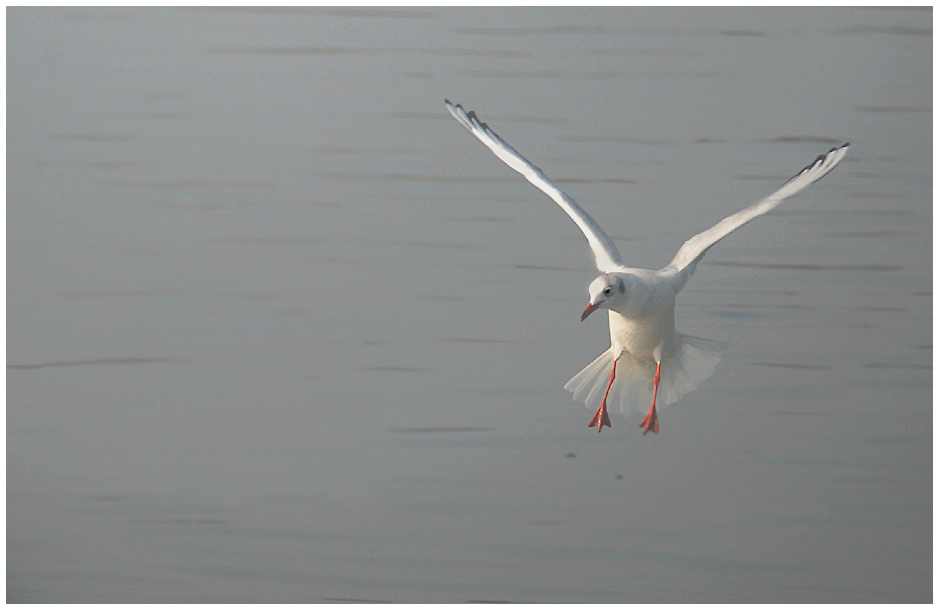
point(606, 292)
point(626, 293)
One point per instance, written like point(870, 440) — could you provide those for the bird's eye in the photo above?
point(607, 291)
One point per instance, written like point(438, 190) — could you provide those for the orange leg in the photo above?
point(601, 418)
point(651, 422)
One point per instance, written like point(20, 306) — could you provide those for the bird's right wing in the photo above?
point(604, 250)
point(685, 261)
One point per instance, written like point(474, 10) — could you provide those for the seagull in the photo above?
point(647, 356)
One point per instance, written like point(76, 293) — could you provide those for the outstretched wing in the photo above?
point(685, 261)
point(603, 248)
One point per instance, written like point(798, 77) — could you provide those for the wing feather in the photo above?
point(685, 261)
point(604, 250)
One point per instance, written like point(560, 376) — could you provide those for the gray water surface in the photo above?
point(280, 330)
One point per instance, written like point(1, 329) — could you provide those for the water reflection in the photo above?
point(89, 362)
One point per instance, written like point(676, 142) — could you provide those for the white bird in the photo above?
point(647, 356)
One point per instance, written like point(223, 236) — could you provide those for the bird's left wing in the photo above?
point(685, 261)
point(604, 250)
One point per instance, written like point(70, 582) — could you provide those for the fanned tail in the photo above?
point(692, 362)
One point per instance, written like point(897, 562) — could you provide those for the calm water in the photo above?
point(280, 330)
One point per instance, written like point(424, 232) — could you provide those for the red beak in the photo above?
point(589, 310)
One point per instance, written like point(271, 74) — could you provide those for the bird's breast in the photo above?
point(641, 336)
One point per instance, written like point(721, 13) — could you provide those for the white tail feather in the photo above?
point(692, 362)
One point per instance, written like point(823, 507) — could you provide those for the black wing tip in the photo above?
point(471, 116)
point(833, 149)
point(474, 118)
point(820, 160)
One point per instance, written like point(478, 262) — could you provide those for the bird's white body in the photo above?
point(641, 337)
point(648, 360)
